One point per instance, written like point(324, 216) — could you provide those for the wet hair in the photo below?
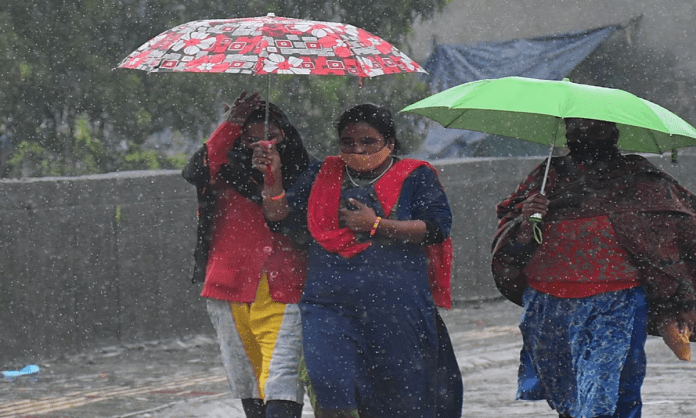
point(614, 133)
point(293, 156)
point(614, 138)
point(614, 130)
point(275, 116)
point(378, 117)
point(292, 144)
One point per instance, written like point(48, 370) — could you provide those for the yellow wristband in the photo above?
point(375, 226)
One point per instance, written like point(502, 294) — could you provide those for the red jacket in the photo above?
point(242, 246)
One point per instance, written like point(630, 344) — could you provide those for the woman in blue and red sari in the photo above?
point(379, 263)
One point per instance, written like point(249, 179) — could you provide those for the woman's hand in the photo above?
point(363, 219)
point(536, 203)
point(676, 332)
point(359, 220)
point(687, 320)
point(267, 160)
point(241, 109)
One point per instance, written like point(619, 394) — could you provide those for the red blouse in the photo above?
point(580, 258)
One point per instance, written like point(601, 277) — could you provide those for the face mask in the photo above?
point(240, 159)
point(366, 162)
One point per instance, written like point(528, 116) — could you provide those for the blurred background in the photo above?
point(65, 110)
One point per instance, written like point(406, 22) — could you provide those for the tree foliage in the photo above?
point(65, 110)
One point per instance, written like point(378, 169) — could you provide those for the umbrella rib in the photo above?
point(656, 142)
point(459, 116)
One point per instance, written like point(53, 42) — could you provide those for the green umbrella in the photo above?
point(533, 110)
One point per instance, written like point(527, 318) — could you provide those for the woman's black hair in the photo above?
point(377, 117)
point(293, 156)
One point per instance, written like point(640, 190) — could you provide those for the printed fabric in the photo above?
point(584, 356)
point(654, 219)
point(580, 258)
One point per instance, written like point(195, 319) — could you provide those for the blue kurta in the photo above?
point(370, 325)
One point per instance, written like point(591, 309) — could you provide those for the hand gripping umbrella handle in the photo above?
point(535, 218)
point(270, 178)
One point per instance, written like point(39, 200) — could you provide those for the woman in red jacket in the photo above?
point(253, 275)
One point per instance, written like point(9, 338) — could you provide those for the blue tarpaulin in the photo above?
point(547, 57)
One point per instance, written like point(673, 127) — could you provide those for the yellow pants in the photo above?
point(261, 346)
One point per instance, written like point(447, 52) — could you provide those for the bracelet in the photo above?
point(375, 226)
point(278, 197)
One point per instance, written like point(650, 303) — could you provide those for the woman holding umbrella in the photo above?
point(374, 343)
point(252, 274)
point(616, 262)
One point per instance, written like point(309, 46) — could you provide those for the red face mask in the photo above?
point(366, 162)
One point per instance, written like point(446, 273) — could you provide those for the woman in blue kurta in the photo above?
point(379, 260)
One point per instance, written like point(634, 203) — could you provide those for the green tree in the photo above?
point(65, 110)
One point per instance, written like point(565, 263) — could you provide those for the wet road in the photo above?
point(184, 378)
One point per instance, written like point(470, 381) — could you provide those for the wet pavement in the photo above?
point(184, 378)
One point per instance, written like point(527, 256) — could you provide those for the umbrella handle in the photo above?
point(536, 220)
point(270, 178)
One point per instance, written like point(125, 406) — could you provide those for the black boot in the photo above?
point(283, 409)
point(254, 408)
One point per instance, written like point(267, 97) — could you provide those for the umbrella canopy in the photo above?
point(270, 45)
point(533, 110)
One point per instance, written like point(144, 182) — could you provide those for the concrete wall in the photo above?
point(95, 260)
point(98, 260)
point(654, 59)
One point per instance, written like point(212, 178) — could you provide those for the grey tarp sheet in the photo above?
point(548, 57)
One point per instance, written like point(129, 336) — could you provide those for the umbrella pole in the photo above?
point(546, 170)
point(536, 218)
point(269, 179)
point(268, 101)
point(548, 160)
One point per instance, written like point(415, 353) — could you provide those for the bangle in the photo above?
point(278, 197)
point(375, 226)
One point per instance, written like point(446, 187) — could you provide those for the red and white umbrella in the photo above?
point(270, 45)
